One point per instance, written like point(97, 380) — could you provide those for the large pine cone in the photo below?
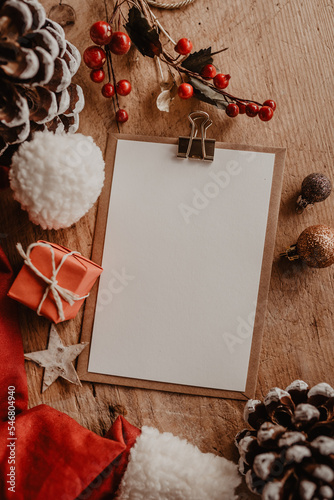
point(290, 454)
point(37, 64)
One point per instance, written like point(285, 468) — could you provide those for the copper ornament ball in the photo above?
point(315, 246)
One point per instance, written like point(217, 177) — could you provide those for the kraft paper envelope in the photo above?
point(187, 249)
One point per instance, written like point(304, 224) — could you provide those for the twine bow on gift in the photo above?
point(58, 292)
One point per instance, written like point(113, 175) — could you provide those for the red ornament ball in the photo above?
point(108, 90)
point(242, 108)
point(94, 57)
point(221, 81)
point(123, 87)
point(252, 109)
point(183, 46)
point(185, 91)
point(101, 33)
point(208, 72)
point(120, 43)
point(122, 116)
point(270, 103)
point(97, 75)
point(232, 110)
point(266, 113)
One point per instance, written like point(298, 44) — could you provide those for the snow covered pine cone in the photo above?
point(290, 454)
point(37, 64)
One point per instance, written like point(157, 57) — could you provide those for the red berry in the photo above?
point(208, 72)
point(122, 116)
point(252, 109)
point(183, 46)
point(101, 33)
point(185, 91)
point(108, 90)
point(242, 108)
point(232, 110)
point(266, 113)
point(123, 87)
point(221, 81)
point(97, 75)
point(270, 103)
point(94, 57)
point(120, 43)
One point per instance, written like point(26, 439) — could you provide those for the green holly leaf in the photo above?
point(142, 35)
point(197, 60)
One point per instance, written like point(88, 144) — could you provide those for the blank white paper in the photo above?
point(182, 263)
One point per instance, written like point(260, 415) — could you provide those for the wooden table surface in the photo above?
point(281, 50)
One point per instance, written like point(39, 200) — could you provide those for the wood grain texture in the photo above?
point(281, 50)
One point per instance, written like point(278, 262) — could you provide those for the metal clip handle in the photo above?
point(205, 123)
point(199, 148)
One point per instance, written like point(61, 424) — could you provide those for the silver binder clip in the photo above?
point(197, 147)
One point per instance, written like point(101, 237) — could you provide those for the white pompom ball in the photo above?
point(57, 178)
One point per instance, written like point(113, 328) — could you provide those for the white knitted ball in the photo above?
point(57, 178)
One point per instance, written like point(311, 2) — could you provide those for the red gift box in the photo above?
point(54, 281)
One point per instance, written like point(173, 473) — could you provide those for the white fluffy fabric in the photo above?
point(57, 178)
point(165, 467)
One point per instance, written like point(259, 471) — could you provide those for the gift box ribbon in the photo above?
point(53, 286)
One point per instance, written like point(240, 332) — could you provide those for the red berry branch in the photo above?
point(193, 73)
point(95, 57)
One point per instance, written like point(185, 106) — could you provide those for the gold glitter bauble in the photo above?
point(316, 246)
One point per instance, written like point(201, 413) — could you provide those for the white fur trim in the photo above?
point(57, 178)
point(165, 467)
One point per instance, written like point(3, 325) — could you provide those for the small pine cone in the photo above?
point(37, 64)
point(289, 452)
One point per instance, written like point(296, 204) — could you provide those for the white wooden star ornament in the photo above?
point(57, 360)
